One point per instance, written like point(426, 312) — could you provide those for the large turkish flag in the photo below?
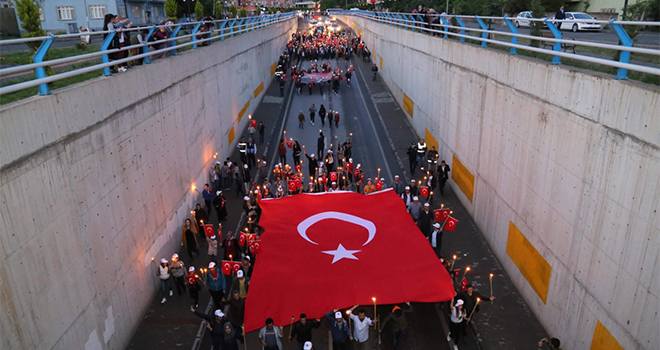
point(334, 250)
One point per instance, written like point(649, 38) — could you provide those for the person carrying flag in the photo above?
point(216, 284)
point(435, 238)
point(340, 330)
point(360, 329)
point(302, 330)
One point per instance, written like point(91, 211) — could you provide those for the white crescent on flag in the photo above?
point(307, 223)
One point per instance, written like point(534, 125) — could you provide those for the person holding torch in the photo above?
point(360, 329)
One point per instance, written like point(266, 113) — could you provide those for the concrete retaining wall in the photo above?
point(572, 159)
point(96, 179)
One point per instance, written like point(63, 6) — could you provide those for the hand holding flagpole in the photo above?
point(474, 308)
point(453, 261)
point(291, 328)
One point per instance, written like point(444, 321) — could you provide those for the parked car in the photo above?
point(571, 22)
point(523, 19)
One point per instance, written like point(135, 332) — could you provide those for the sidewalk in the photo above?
point(506, 324)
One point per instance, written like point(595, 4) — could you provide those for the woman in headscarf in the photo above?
point(230, 338)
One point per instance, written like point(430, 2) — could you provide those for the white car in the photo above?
point(523, 19)
point(571, 22)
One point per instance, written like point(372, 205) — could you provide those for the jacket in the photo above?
point(217, 284)
point(278, 335)
point(400, 323)
point(235, 285)
point(340, 331)
point(303, 332)
point(193, 229)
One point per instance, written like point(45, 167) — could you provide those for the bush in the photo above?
point(242, 13)
point(28, 13)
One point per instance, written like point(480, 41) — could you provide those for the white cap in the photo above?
point(338, 314)
point(412, 181)
point(307, 346)
point(163, 261)
point(213, 237)
point(382, 179)
point(407, 187)
point(211, 265)
point(219, 313)
point(426, 204)
point(247, 257)
point(245, 166)
point(436, 225)
point(218, 193)
point(459, 302)
point(396, 176)
point(239, 274)
point(359, 165)
point(415, 198)
point(246, 198)
point(191, 269)
point(175, 256)
point(263, 162)
point(329, 151)
point(312, 155)
point(350, 160)
point(334, 183)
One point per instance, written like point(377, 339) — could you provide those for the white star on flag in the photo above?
point(341, 253)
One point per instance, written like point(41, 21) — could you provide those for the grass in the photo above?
point(25, 57)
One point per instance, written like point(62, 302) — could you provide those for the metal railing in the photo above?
point(221, 29)
point(421, 23)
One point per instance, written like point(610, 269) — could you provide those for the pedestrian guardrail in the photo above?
point(218, 30)
point(444, 26)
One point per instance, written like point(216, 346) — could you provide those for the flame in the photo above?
point(193, 187)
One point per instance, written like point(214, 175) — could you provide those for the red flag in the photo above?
point(451, 224)
point(297, 181)
point(236, 265)
point(335, 235)
point(464, 284)
point(208, 229)
point(441, 215)
point(289, 144)
point(457, 273)
point(255, 247)
point(299, 168)
point(333, 176)
point(424, 191)
point(226, 267)
point(379, 186)
point(251, 238)
point(241, 239)
point(253, 123)
point(292, 186)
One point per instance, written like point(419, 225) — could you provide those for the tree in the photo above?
point(233, 11)
point(171, 9)
point(218, 10)
point(199, 10)
point(28, 13)
point(242, 13)
point(538, 11)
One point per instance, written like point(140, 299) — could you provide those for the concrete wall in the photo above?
point(95, 180)
point(571, 158)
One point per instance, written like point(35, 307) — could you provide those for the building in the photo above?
point(603, 9)
point(67, 16)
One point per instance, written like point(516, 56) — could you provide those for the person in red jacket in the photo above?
point(281, 150)
point(193, 286)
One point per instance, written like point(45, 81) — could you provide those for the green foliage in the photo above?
point(172, 19)
point(242, 13)
point(329, 4)
point(218, 10)
point(538, 11)
point(199, 10)
point(233, 11)
point(644, 10)
point(171, 8)
point(28, 13)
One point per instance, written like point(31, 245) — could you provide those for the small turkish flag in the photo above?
point(253, 123)
point(241, 239)
point(255, 246)
point(297, 181)
point(379, 186)
point(424, 190)
point(464, 284)
point(333, 176)
point(441, 214)
point(289, 144)
point(299, 168)
point(208, 229)
point(457, 273)
point(334, 235)
point(292, 186)
point(451, 224)
point(226, 267)
point(251, 238)
point(235, 266)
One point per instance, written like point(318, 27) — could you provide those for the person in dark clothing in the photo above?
point(374, 69)
point(296, 150)
point(282, 85)
point(237, 308)
point(230, 246)
point(443, 174)
point(322, 113)
point(281, 150)
point(560, 15)
point(201, 217)
point(189, 238)
point(216, 327)
point(302, 330)
point(340, 331)
point(398, 317)
point(312, 164)
point(208, 196)
point(412, 157)
point(435, 238)
point(219, 203)
point(320, 144)
point(425, 219)
point(261, 129)
point(470, 296)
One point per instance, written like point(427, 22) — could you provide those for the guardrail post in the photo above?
point(483, 26)
point(231, 28)
point(239, 25)
point(145, 49)
point(175, 32)
point(420, 19)
point(446, 29)
point(194, 31)
point(38, 58)
point(624, 56)
point(222, 32)
point(557, 34)
point(514, 30)
point(104, 47)
point(400, 20)
point(460, 22)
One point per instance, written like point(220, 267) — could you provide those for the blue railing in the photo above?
point(440, 25)
point(227, 28)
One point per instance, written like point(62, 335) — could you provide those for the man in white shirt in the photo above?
point(361, 325)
